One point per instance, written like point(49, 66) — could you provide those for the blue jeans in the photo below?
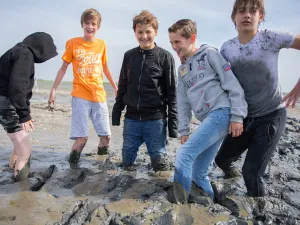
point(195, 156)
point(136, 132)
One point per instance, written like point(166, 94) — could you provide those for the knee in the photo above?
point(183, 158)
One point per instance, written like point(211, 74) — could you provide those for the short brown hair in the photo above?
point(186, 28)
point(91, 14)
point(145, 17)
point(259, 4)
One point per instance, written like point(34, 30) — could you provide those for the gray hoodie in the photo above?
point(206, 83)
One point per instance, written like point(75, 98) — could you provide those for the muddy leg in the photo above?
point(77, 149)
point(22, 149)
point(12, 159)
point(103, 145)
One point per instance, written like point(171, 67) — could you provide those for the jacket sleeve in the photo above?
point(20, 86)
point(239, 107)
point(122, 89)
point(170, 88)
point(184, 108)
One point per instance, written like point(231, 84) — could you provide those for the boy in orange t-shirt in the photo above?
point(89, 58)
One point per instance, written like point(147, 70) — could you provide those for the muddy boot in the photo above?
point(129, 168)
point(199, 196)
point(160, 163)
point(177, 194)
point(23, 173)
point(74, 158)
point(103, 150)
point(230, 170)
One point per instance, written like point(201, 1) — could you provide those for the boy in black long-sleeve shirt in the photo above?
point(147, 87)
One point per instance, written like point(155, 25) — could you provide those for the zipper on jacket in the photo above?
point(138, 105)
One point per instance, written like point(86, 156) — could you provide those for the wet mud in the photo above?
point(99, 191)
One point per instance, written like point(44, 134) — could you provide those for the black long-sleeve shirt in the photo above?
point(147, 87)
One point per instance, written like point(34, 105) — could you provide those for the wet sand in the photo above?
point(100, 192)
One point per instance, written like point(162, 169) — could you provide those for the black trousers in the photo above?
point(260, 137)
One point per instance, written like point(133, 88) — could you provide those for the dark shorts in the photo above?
point(8, 116)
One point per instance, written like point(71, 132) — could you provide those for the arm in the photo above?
point(184, 109)
point(20, 86)
point(60, 74)
point(109, 77)
point(170, 92)
point(293, 96)
point(296, 43)
point(229, 82)
point(122, 89)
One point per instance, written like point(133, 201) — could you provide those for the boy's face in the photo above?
point(181, 45)
point(90, 28)
point(247, 18)
point(145, 35)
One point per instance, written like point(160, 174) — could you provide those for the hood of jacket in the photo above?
point(41, 45)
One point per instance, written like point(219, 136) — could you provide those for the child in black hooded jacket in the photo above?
point(16, 83)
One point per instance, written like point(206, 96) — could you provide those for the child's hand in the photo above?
point(293, 96)
point(183, 139)
point(236, 129)
point(51, 101)
point(116, 90)
point(27, 126)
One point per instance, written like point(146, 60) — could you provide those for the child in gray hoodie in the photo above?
point(206, 86)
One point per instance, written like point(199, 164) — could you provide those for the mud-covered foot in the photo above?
point(232, 172)
point(128, 167)
point(74, 158)
point(199, 196)
point(23, 173)
point(160, 163)
point(177, 194)
point(103, 150)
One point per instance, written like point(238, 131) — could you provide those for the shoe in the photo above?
point(177, 194)
point(160, 163)
point(103, 150)
point(232, 172)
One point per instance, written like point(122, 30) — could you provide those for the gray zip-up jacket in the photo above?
point(206, 83)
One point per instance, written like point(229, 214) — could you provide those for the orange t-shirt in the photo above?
point(87, 59)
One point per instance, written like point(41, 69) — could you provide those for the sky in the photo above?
point(61, 19)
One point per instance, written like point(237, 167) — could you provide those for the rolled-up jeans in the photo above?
point(195, 156)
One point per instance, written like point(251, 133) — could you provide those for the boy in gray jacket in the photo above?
point(206, 86)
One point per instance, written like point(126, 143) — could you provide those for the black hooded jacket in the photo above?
point(17, 70)
point(147, 87)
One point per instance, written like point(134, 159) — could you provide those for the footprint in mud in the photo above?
point(77, 178)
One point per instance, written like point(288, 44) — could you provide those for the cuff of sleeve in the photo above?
point(24, 119)
point(115, 119)
point(235, 118)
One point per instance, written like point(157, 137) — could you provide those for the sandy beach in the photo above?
point(100, 192)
